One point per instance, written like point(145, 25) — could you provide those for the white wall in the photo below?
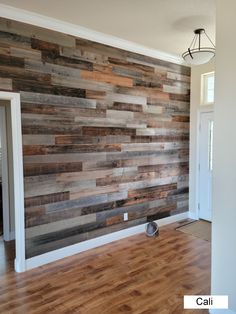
point(195, 106)
point(224, 164)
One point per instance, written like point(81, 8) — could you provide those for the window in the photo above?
point(208, 88)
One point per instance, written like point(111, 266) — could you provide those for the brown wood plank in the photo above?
point(105, 131)
point(46, 199)
point(107, 78)
point(151, 265)
point(5, 83)
point(30, 150)
point(50, 168)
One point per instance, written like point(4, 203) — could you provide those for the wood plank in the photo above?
point(107, 78)
point(119, 288)
point(5, 83)
point(4, 49)
point(46, 199)
point(59, 226)
point(35, 139)
point(129, 98)
point(131, 65)
point(30, 150)
point(28, 86)
point(51, 186)
point(30, 54)
point(23, 30)
point(11, 61)
point(61, 111)
point(45, 99)
point(50, 168)
point(50, 128)
point(21, 74)
point(73, 82)
point(81, 139)
point(95, 191)
point(13, 39)
point(62, 158)
point(50, 68)
point(126, 107)
point(81, 54)
point(105, 131)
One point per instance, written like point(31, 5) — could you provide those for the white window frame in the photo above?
point(204, 88)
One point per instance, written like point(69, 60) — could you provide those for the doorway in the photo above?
point(205, 164)
point(12, 186)
point(7, 250)
point(7, 215)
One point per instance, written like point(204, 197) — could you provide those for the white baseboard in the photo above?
point(93, 243)
point(221, 312)
point(192, 215)
point(171, 219)
point(19, 267)
point(10, 236)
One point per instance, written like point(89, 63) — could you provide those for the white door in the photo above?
point(205, 165)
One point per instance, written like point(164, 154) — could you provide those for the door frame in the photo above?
point(17, 174)
point(5, 176)
point(204, 109)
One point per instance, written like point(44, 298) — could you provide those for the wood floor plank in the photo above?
point(137, 275)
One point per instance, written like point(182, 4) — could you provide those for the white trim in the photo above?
point(4, 172)
point(171, 219)
point(193, 215)
point(18, 181)
point(18, 267)
point(83, 32)
point(221, 312)
point(11, 235)
point(204, 88)
point(201, 110)
point(93, 243)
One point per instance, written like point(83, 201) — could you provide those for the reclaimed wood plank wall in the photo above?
point(105, 132)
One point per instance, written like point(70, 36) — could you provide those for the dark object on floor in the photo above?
point(152, 229)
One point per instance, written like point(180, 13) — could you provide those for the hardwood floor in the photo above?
point(7, 255)
point(135, 275)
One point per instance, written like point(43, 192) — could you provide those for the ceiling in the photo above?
point(165, 25)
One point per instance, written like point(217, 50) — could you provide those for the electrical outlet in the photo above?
point(126, 216)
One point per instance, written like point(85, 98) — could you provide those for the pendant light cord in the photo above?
point(193, 42)
point(210, 40)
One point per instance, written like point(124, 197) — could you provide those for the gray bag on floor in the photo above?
point(152, 229)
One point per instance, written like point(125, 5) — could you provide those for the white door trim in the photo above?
point(200, 110)
point(18, 181)
point(4, 172)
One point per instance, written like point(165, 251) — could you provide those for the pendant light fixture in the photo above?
point(196, 54)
